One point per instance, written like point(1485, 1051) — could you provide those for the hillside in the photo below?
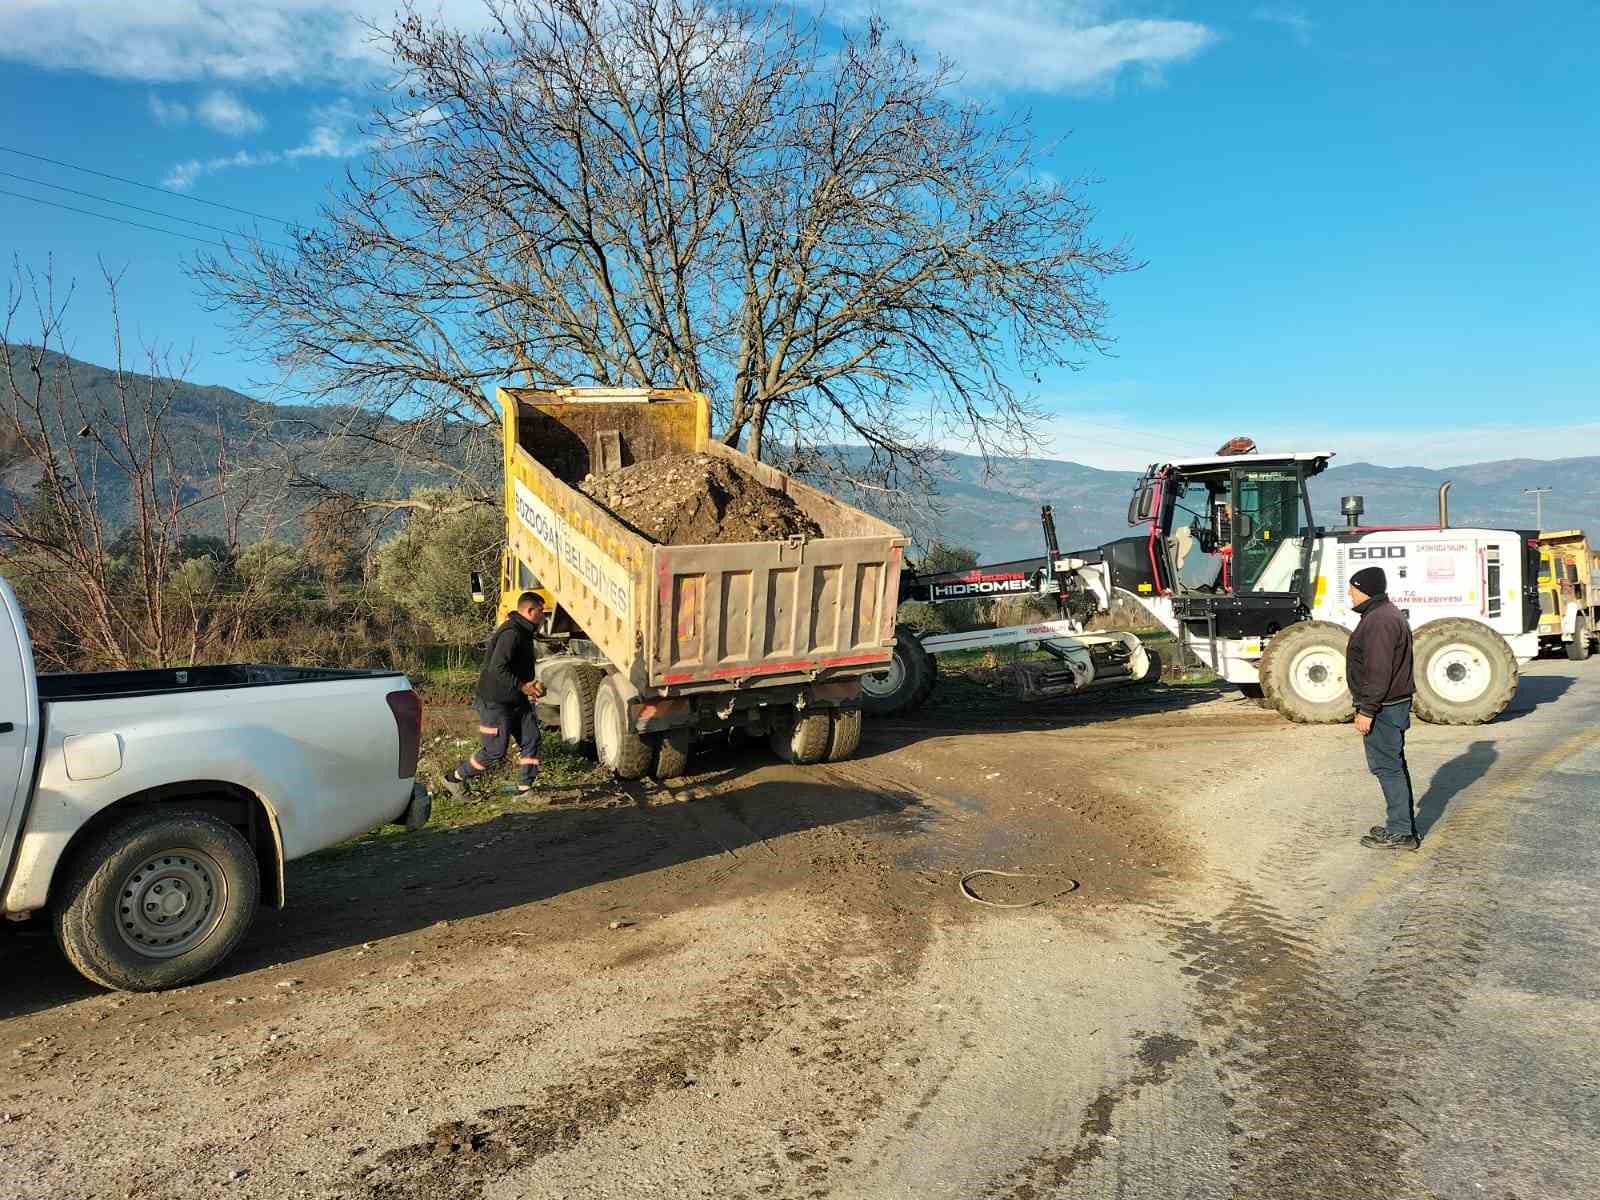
point(995, 511)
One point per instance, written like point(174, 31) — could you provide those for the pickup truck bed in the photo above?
point(106, 685)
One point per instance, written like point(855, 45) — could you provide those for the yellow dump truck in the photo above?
point(1569, 593)
point(661, 644)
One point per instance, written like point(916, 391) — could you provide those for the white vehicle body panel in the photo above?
point(321, 755)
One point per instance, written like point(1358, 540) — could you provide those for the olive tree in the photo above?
point(853, 257)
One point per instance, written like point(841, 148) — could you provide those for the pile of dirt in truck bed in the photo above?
point(697, 500)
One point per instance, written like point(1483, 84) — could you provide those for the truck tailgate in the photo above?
point(768, 609)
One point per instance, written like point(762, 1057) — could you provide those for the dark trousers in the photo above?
point(1386, 758)
point(497, 725)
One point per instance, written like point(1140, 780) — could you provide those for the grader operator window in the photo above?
point(1267, 518)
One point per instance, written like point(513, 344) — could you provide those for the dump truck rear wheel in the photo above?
point(907, 681)
point(576, 688)
point(1578, 647)
point(672, 754)
point(618, 747)
point(1466, 673)
point(1302, 673)
point(845, 734)
point(805, 740)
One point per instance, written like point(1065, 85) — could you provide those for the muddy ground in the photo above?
point(766, 981)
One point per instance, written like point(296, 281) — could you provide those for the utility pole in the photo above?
point(1538, 495)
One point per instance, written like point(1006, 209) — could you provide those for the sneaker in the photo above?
point(1382, 839)
point(455, 785)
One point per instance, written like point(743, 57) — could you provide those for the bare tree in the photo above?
point(97, 595)
point(825, 237)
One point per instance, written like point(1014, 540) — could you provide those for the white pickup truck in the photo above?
point(148, 813)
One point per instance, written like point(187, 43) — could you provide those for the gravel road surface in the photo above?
point(767, 982)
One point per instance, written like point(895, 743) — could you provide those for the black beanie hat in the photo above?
point(1370, 580)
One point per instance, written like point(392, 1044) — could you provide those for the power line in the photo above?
point(149, 187)
point(154, 212)
point(119, 220)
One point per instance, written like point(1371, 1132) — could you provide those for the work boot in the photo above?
point(455, 785)
point(1382, 839)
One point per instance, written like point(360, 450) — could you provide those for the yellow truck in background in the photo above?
point(1569, 593)
point(661, 644)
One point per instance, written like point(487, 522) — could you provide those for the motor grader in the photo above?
point(1231, 560)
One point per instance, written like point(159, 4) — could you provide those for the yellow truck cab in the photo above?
point(1569, 593)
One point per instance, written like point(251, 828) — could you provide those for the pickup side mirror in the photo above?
point(478, 596)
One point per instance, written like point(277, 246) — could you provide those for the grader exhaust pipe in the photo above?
point(1444, 505)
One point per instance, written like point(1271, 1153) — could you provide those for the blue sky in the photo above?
point(1372, 228)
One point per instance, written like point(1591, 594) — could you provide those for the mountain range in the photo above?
point(992, 508)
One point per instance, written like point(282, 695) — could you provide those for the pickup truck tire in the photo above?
point(157, 900)
point(672, 754)
point(1578, 647)
point(576, 688)
point(1465, 672)
point(845, 735)
point(619, 748)
point(905, 683)
point(805, 739)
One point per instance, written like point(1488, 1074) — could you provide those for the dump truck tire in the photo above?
point(620, 749)
point(1578, 647)
point(1302, 673)
point(575, 689)
point(672, 754)
point(805, 740)
point(157, 900)
point(1466, 673)
point(906, 683)
point(845, 735)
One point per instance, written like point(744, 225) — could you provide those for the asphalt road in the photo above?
point(1237, 1001)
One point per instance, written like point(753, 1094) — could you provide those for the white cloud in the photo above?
point(1037, 45)
point(335, 132)
point(168, 112)
point(167, 41)
point(226, 113)
point(1293, 19)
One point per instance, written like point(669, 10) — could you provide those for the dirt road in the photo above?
point(765, 982)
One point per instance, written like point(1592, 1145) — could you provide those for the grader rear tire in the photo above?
point(1465, 672)
point(906, 683)
point(1302, 673)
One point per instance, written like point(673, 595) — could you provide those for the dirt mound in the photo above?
point(697, 500)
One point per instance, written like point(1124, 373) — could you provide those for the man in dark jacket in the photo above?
point(504, 699)
point(1378, 668)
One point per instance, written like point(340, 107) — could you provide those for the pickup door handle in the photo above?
point(6, 726)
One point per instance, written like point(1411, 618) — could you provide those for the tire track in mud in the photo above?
point(1049, 1173)
point(834, 970)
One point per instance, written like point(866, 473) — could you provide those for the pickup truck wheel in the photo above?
point(157, 900)
point(805, 740)
point(618, 747)
point(1578, 647)
point(576, 688)
point(845, 735)
point(672, 754)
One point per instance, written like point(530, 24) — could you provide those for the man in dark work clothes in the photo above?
point(1379, 670)
point(504, 699)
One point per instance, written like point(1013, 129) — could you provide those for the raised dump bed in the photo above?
point(670, 641)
